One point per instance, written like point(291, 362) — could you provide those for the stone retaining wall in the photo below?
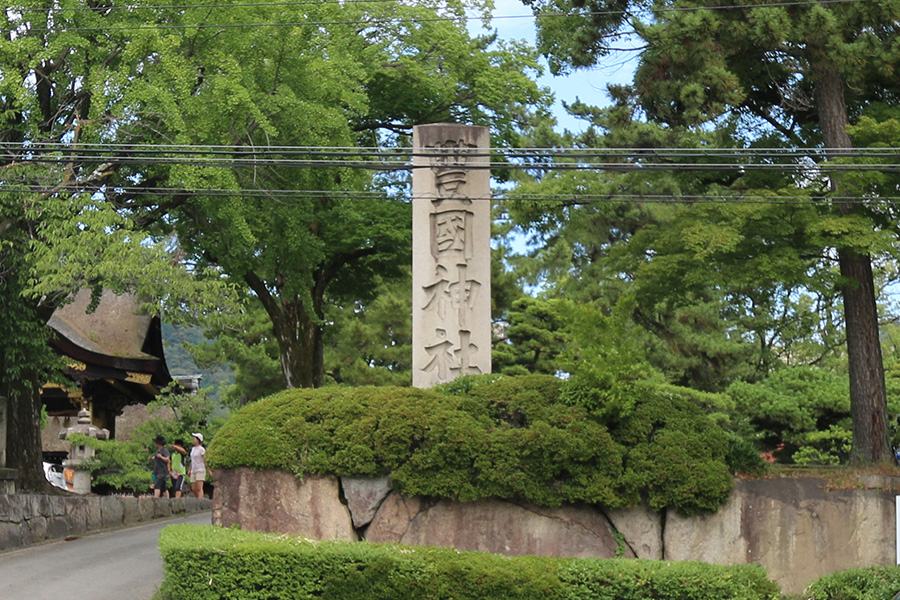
point(30, 518)
point(794, 528)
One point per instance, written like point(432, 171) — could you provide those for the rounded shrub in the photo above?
point(870, 583)
point(507, 437)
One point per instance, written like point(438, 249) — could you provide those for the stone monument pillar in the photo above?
point(451, 300)
point(80, 455)
point(7, 476)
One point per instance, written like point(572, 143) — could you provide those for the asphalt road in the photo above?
point(118, 564)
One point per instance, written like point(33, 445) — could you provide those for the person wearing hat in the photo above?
point(161, 464)
point(197, 467)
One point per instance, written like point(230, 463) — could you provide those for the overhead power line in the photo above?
point(368, 196)
point(498, 159)
point(555, 151)
point(226, 5)
point(373, 165)
point(385, 21)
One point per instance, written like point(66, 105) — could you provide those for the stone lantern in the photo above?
point(79, 455)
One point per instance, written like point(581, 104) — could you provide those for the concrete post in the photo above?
point(451, 312)
point(7, 476)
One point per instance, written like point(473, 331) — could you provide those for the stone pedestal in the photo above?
point(451, 312)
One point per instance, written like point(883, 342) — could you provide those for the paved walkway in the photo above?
point(119, 564)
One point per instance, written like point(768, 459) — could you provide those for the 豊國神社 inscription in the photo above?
point(451, 253)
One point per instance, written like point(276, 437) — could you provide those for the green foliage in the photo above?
point(712, 303)
point(465, 384)
point(743, 456)
point(118, 464)
point(757, 279)
point(606, 359)
point(871, 583)
point(203, 563)
point(506, 437)
point(370, 343)
point(675, 454)
point(534, 338)
point(831, 447)
point(806, 408)
point(323, 251)
point(628, 579)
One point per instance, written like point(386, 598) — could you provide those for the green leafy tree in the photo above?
point(246, 345)
point(120, 465)
point(387, 79)
point(98, 103)
point(800, 73)
point(533, 338)
point(606, 359)
point(370, 342)
point(719, 304)
point(795, 407)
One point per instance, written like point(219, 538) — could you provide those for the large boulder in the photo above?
point(497, 526)
point(364, 496)
point(276, 501)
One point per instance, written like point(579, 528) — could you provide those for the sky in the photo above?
point(588, 85)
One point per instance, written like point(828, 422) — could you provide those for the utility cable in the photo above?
point(579, 199)
point(387, 165)
point(341, 3)
point(385, 21)
point(523, 152)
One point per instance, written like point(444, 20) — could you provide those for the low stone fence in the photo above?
point(795, 528)
point(30, 518)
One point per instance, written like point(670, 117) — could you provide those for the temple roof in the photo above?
point(115, 336)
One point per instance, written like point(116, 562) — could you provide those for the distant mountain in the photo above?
point(180, 362)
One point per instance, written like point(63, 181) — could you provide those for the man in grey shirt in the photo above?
point(161, 463)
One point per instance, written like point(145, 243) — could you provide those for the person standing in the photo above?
point(161, 465)
point(179, 454)
point(197, 467)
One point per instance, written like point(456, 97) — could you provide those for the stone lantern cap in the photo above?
point(84, 426)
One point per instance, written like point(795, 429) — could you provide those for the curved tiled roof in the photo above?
point(114, 335)
point(115, 328)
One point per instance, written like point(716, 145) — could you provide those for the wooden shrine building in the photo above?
point(114, 357)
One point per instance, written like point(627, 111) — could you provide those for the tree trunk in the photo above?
point(23, 435)
point(300, 345)
point(868, 400)
point(868, 397)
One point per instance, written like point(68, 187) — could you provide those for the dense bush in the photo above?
point(206, 563)
point(120, 465)
point(794, 406)
point(630, 579)
point(872, 583)
point(502, 438)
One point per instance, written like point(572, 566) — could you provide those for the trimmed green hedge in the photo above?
point(501, 438)
point(206, 563)
point(871, 583)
